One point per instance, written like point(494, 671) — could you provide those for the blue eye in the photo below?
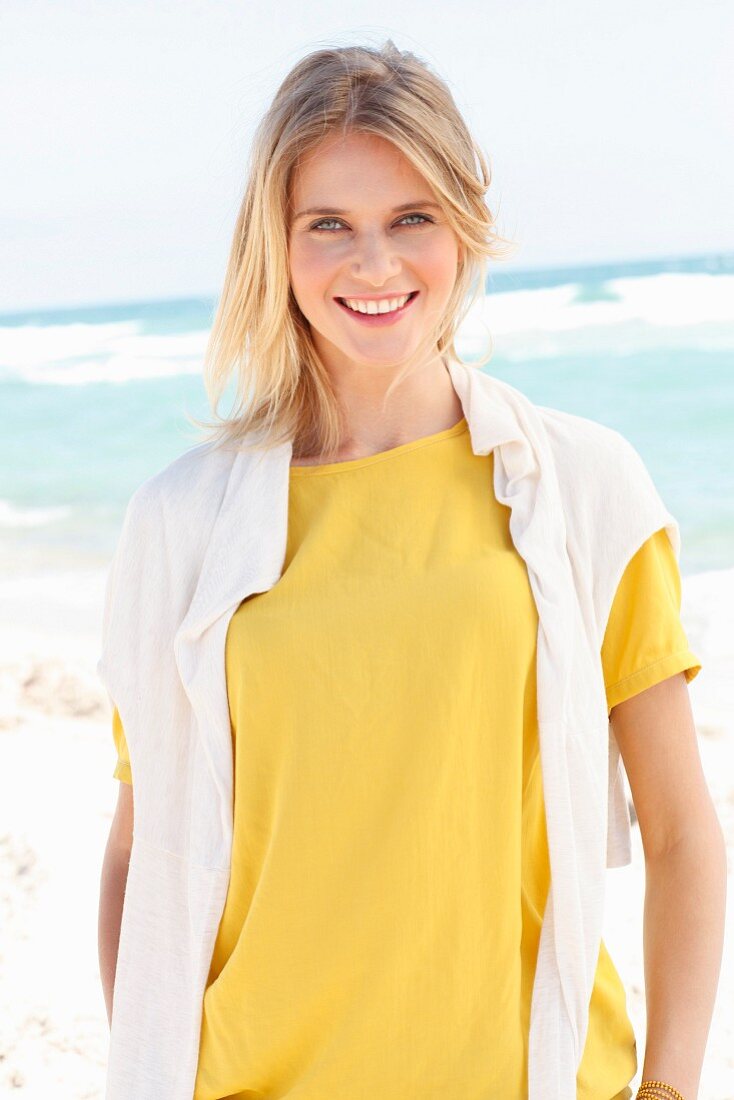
point(421, 216)
point(318, 225)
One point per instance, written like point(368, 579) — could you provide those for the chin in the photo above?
point(387, 358)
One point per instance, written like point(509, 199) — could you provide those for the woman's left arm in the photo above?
point(685, 870)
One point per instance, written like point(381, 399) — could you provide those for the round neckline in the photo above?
point(380, 456)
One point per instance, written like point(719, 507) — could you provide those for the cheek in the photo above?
point(436, 261)
point(439, 273)
point(311, 268)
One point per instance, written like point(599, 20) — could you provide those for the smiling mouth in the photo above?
point(375, 307)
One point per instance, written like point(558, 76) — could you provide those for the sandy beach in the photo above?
point(57, 797)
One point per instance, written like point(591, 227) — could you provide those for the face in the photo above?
point(377, 234)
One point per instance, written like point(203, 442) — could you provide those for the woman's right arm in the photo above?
point(112, 890)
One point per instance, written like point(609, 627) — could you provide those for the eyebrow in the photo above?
point(325, 210)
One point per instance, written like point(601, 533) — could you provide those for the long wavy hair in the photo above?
point(259, 338)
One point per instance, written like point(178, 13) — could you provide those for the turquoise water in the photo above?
point(95, 399)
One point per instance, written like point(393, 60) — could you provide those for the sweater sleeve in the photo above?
point(644, 642)
point(122, 768)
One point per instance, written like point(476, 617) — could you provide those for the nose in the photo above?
point(375, 259)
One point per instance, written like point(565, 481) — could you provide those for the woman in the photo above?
point(382, 596)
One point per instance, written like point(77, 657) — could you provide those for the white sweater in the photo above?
point(209, 530)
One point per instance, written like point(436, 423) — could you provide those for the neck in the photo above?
point(420, 404)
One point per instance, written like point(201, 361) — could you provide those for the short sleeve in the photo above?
point(644, 641)
point(122, 769)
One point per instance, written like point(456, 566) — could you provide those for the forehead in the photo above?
point(363, 168)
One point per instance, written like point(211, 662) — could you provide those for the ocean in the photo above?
point(95, 399)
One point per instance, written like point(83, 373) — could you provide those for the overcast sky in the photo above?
point(125, 125)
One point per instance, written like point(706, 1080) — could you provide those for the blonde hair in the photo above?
point(259, 336)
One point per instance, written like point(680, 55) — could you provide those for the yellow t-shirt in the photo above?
point(390, 864)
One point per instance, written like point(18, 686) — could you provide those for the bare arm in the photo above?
point(685, 889)
point(112, 890)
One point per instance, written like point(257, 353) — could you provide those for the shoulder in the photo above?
point(596, 463)
point(610, 501)
point(573, 437)
point(190, 487)
point(165, 531)
point(587, 454)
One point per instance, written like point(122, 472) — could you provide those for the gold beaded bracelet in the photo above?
point(657, 1090)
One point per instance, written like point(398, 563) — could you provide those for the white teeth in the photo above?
point(387, 305)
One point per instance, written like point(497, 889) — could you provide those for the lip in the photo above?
point(378, 320)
